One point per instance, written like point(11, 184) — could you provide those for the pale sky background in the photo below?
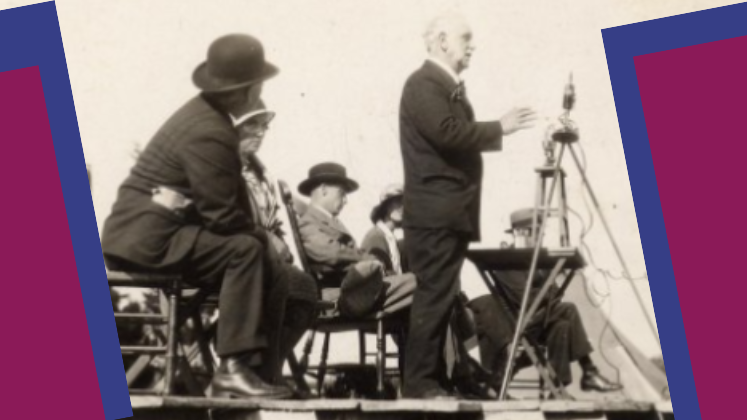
point(343, 64)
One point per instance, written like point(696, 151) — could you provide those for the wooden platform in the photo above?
point(185, 408)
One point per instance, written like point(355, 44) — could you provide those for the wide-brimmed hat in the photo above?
point(233, 62)
point(328, 172)
point(390, 193)
point(522, 219)
point(257, 110)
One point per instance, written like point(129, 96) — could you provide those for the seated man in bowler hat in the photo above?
point(355, 279)
point(184, 208)
point(556, 324)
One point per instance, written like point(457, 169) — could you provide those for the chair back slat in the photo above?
point(293, 217)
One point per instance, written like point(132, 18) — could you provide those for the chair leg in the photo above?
point(362, 347)
point(137, 368)
point(380, 357)
point(206, 355)
point(322, 371)
point(173, 309)
point(298, 374)
point(546, 372)
point(303, 364)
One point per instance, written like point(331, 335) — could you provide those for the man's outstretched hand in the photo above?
point(517, 119)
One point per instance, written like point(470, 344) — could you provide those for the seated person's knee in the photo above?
point(244, 246)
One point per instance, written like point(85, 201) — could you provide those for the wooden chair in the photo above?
point(177, 302)
point(330, 322)
point(530, 348)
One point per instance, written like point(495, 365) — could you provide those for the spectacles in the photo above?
point(254, 127)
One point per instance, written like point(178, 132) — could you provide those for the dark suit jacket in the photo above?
point(195, 153)
point(328, 244)
point(441, 145)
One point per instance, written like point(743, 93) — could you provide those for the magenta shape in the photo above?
point(694, 105)
point(46, 351)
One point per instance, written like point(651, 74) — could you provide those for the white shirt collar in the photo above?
point(384, 228)
point(447, 69)
point(393, 248)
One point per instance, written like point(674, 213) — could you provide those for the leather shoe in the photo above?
point(235, 379)
point(594, 381)
point(471, 389)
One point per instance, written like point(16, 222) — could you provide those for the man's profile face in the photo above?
point(523, 237)
point(334, 198)
point(458, 44)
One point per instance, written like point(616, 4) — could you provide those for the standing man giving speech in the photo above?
point(441, 148)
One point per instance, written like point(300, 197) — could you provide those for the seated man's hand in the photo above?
point(259, 234)
point(281, 247)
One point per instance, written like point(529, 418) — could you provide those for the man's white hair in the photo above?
point(440, 24)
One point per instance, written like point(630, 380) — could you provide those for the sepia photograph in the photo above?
point(391, 209)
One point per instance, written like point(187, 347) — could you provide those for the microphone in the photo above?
point(569, 95)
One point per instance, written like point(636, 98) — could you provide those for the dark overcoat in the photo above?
point(196, 154)
point(441, 148)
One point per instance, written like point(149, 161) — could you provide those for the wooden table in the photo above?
point(559, 261)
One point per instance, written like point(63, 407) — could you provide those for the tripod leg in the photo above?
point(518, 330)
point(539, 202)
point(614, 244)
point(564, 231)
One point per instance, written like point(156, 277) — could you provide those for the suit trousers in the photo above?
point(564, 335)
point(237, 264)
point(436, 257)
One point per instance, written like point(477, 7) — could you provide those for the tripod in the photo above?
point(566, 136)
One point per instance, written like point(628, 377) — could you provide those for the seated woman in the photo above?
point(380, 239)
point(301, 295)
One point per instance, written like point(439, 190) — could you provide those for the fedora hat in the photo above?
point(390, 193)
point(233, 62)
point(328, 172)
point(522, 219)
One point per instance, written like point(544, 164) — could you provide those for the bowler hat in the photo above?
point(233, 62)
point(328, 172)
point(390, 193)
point(522, 219)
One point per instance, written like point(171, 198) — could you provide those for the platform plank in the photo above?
point(310, 405)
point(421, 406)
point(371, 409)
point(208, 403)
point(503, 406)
point(141, 402)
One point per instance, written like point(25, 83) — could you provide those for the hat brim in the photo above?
point(523, 225)
point(378, 211)
point(247, 117)
point(204, 82)
point(308, 185)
